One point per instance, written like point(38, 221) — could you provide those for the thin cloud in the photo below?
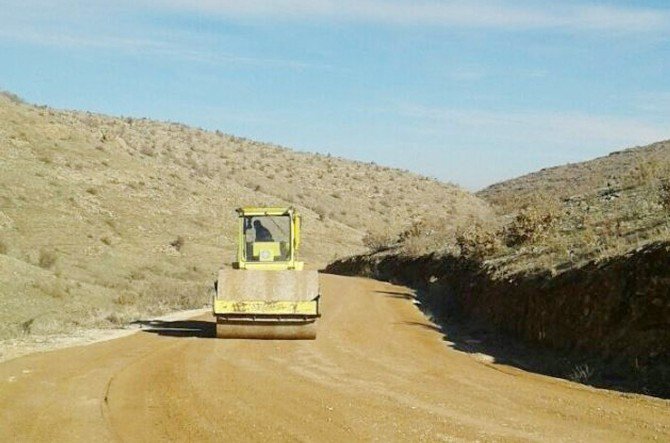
point(462, 14)
point(69, 40)
point(149, 46)
point(570, 130)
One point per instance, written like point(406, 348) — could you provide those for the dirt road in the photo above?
point(377, 371)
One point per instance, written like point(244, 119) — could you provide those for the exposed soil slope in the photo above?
point(103, 219)
point(377, 371)
point(610, 319)
point(577, 262)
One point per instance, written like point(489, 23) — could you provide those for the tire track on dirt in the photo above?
point(378, 370)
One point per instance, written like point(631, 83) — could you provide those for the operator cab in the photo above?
point(267, 238)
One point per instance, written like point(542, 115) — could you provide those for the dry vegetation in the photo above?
point(555, 219)
point(561, 217)
point(104, 220)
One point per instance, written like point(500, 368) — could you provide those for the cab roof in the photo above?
point(254, 210)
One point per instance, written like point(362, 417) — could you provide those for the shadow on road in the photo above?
point(181, 328)
point(395, 294)
point(476, 338)
point(430, 326)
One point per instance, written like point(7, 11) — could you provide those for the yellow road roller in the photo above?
point(267, 293)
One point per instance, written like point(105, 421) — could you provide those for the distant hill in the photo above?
point(614, 170)
point(106, 219)
point(563, 216)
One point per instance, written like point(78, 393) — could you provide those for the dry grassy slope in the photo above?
point(89, 207)
point(585, 211)
point(573, 179)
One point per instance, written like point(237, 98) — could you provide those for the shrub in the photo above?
point(46, 159)
point(647, 171)
point(148, 151)
point(321, 213)
point(664, 194)
point(115, 319)
point(530, 224)
point(581, 373)
point(126, 298)
point(4, 248)
point(478, 243)
point(378, 241)
point(414, 230)
point(47, 259)
point(178, 243)
point(12, 97)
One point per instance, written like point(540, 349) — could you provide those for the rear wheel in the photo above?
point(266, 330)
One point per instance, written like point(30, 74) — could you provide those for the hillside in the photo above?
point(561, 217)
point(577, 261)
point(558, 218)
point(618, 169)
point(104, 219)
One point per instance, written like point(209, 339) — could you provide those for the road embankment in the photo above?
point(613, 314)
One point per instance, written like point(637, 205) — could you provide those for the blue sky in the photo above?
point(470, 92)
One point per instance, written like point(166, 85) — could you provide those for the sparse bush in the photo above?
point(46, 159)
point(178, 243)
point(424, 237)
point(664, 194)
point(379, 241)
point(47, 259)
point(530, 224)
point(581, 373)
point(647, 171)
point(477, 242)
point(115, 319)
point(417, 227)
point(12, 97)
point(126, 298)
point(321, 213)
point(148, 151)
point(92, 191)
point(4, 248)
